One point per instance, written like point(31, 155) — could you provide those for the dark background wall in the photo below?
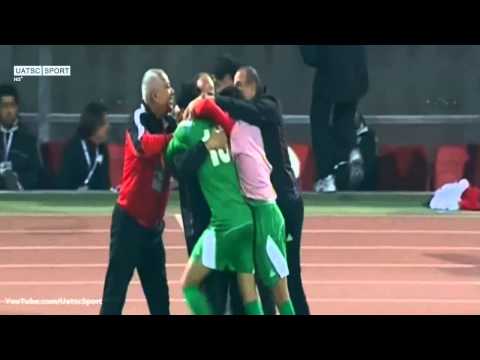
point(405, 79)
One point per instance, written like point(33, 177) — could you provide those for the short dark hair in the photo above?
point(225, 65)
point(9, 90)
point(92, 118)
point(254, 78)
point(232, 91)
point(189, 92)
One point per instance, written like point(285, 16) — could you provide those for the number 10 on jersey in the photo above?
point(217, 156)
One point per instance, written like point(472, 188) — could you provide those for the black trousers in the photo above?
point(135, 247)
point(333, 133)
point(292, 209)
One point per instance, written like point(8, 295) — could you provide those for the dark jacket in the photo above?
point(75, 168)
point(24, 157)
point(342, 73)
point(265, 113)
point(195, 210)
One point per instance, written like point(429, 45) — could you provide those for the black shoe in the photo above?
point(11, 181)
point(357, 172)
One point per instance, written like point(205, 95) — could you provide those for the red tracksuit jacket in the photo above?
point(145, 142)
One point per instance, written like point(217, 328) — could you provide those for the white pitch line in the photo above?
point(393, 231)
point(69, 231)
point(418, 248)
point(63, 266)
point(304, 248)
point(179, 219)
point(304, 265)
point(391, 282)
point(55, 231)
point(396, 301)
point(307, 282)
point(390, 265)
point(355, 300)
point(47, 248)
point(66, 283)
point(305, 231)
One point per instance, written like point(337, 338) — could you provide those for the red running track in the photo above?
point(351, 265)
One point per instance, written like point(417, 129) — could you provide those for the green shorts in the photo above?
point(270, 242)
point(230, 250)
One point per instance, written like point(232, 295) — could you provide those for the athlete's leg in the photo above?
point(248, 289)
point(270, 253)
point(282, 298)
point(192, 279)
point(266, 297)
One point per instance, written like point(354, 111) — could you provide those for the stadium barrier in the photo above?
point(403, 165)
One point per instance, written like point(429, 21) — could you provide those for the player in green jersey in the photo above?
point(227, 244)
point(254, 170)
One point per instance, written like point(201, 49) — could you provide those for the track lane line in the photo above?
point(304, 265)
point(304, 248)
point(305, 231)
point(178, 218)
point(307, 282)
point(312, 300)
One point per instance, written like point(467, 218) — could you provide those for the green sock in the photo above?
point(254, 308)
point(197, 301)
point(287, 308)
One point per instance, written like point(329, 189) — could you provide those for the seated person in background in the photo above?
point(85, 160)
point(19, 158)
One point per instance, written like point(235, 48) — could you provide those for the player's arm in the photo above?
point(151, 145)
point(262, 112)
point(208, 109)
point(147, 144)
point(186, 163)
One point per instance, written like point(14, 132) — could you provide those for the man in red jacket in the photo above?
point(137, 220)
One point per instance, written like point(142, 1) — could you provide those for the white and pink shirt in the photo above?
point(247, 149)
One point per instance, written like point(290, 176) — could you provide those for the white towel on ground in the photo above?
point(448, 197)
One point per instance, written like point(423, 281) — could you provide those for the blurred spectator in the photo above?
point(19, 158)
point(204, 83)
point(86, 160)
point(224, 71)
point(341, 80)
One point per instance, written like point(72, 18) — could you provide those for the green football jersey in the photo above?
point(217, 176)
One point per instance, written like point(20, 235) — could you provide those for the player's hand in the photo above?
point(191, 106)
point(209, 96)
point(217, 140)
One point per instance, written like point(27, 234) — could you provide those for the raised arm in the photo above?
point(153, 144)
point(262, 112)
point(208, 109)
point(146, 143)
